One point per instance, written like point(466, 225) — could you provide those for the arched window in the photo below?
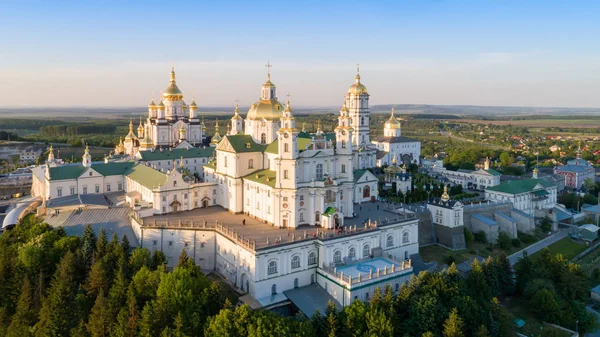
point(263, 138)
point(285, 174)
point(274, 289)
point(351, 252)
point(343, 168)
point(337, 256)
point(406, 255)
point(362, 121)
point(296, 282)
point(366, 191)
point(317, 217)
point(312, 258)
point(319, 171)
point(390, 241)
point(295, 262)
point(272, 268)
point(225, 161)
point(286, 147)
point(251, 163)
point(343, 144)
point(405, 237)
point(366, 251)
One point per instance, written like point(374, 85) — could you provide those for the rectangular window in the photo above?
point(175, 197)
point(84, 189)
point(285, 199)
point(97, 189)
point(170, 243)
point(285, 174)
point(258, 206)
point(214, 192)
point(268, 209)
point(107, 187)
point(185, 196)
point(72, 190)
point(154, 242)
point(164, 210)
point(120, 186)
point(59, 192)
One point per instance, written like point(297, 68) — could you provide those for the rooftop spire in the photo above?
point(445, 196)
point(172, 72)
point(358, 73)
point(269, 66)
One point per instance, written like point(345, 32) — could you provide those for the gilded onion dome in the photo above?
point(217, 137)
point(267, 109)
point(237, 112)
point(193, 105)
point(152, 105)
point(392, 123)
point(161, 105)
point(130, 135)
point(172, 93)
point(140, 128)
point(357, 88)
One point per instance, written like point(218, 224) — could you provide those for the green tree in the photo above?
point(158, 259)
point(140, 257)
point(25, 316)
point(468, 236)
point(481, 331)
point(589, 184)
point(126, 245)
point(101, 245)
point(88, 246)
point(503, 240)
point(453, 326)
point(56, 315)
point(477, 280)
point(99, 320)
point(355, 318)
point(546, 224)
point(378, 324)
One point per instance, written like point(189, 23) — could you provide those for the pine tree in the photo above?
point(25, 316)
point(453, 326)
point(158, 259)
point(101, 245)
point(99, 320)
point(476, 280)
point(333, 323)
point(184, 260)
point(98, 280)
point(140, 257)
point(126, 245)
point(56, 315)
point(482, 331)
point(88, 246)
point(428, 334)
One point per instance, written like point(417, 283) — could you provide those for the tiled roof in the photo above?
point(265, 177)
point(520, 186)
point(193, 152)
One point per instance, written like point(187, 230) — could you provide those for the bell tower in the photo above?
point(357, 102)
point(287, 134)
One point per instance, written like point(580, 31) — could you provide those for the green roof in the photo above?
point(493, 172)
point(146, 176)
point(358, 174)
point(520, 186)
point(329, 211)
point(211, 164)
point(193, 152)
point(304, 134)
point(302, 144)
point(239, 143)
point(66, 172)
point(265, 177)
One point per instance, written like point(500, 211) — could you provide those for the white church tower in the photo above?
point(392, 127)
point(236, 121)
point(357, 102)
point(87, 157)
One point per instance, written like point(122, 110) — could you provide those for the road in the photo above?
point(514, 258)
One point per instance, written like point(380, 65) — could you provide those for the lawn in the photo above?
point(566, 247)
point(517, 306)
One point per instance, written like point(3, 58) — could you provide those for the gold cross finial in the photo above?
point(269, 65)
point(358, 68)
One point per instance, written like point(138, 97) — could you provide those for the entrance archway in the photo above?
point(366, 191)
point(204, 203)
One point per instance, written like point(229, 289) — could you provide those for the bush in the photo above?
point(596, 274)
point(516, 242)
point(481, 237)
point(526, 238)
point(468, 236)
point(546, 224)
point(449, 259)
point(504, 240)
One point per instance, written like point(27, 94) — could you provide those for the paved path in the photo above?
point(514, 258)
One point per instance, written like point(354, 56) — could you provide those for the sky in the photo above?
point(116, 54)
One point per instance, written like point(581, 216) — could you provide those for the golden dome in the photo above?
point(193, 105)
point(357, 88)
point(392, 123)
point(161, 105)
point(267, 109)
point(172, 93)
point(152, 105)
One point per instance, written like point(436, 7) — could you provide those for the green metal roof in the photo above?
point(493, 172)
point(193, 152)
point(329, 211)
point(540, 193)
point(265, 177)
point(302, 144)
point(211, 164)
point(520, 186)
point(146, 176)
point(304, 134)
point(358, 174)
point(244, 143)
point(66, 172)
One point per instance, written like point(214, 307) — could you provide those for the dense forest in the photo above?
point(52, 284)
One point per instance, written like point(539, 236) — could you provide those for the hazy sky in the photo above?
point(483, 52)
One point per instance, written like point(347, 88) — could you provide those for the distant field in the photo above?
point(570, 123)
point(77, 152)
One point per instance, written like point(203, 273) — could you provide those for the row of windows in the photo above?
point(312, 260)
point(72, 190)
